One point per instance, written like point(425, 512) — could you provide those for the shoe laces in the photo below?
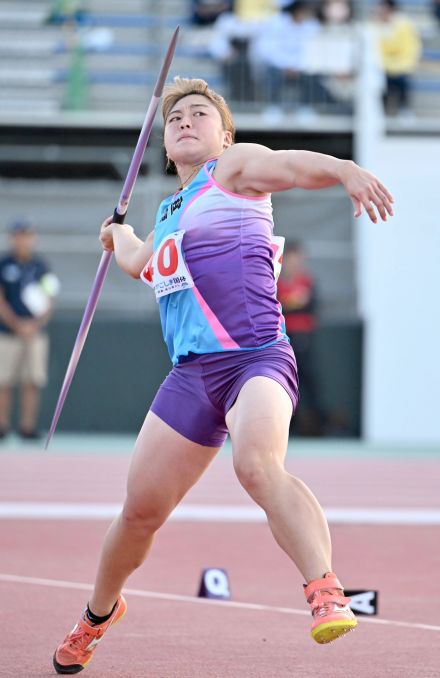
point(326, 602)
point(79, 639)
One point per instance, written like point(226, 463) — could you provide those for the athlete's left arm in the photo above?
point(256, 169)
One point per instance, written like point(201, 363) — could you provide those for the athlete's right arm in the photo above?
point(131, 253)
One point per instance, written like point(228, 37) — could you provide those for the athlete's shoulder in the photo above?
point(241, 152)
point(233, 163)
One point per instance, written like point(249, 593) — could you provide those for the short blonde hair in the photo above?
point(183, 87)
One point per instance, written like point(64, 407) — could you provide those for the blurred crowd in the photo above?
point(288, 56)
point(302, 56)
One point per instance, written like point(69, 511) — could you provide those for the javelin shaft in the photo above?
point(145, 132)
point(118, 217)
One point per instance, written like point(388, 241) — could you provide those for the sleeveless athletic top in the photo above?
point(212, 270)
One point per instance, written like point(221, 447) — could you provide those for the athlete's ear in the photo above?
point(227, 139)
point(170, 163)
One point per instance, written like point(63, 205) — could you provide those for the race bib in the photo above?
point(166, 271)
point(277, 251)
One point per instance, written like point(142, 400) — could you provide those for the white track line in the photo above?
point(214, 513)
point(59, 583)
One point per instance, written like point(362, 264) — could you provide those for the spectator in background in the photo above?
point(68, 12)
point(27, 289)
point(297, 295)
point(254, 9)
point(333, 53)
point(278, 56)
point(436, 9)
point(205, 12)
point(229, 45)
point(335, 11)
point(73, 16)
point(400, 48)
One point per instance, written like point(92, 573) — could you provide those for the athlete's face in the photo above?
point(194, 131)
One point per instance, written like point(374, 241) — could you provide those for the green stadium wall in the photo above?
point(124, 361)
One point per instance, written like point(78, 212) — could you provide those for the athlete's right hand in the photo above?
point(106, 234)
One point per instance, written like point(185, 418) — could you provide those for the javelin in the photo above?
point(118, 218)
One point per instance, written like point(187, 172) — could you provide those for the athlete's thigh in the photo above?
point(258, 422)
point(165, 464)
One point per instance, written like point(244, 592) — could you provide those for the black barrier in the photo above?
point(125, 361)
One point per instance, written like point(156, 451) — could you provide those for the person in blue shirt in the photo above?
point(27, 288)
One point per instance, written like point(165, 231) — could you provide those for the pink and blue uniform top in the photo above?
point(213, 270)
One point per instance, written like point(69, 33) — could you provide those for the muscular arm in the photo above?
point(252, 169)
point(131, 253)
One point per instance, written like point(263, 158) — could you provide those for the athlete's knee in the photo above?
point(256, 474)
point(145, 517)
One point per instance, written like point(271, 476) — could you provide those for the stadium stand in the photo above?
point(73, 92)
point(104, 58)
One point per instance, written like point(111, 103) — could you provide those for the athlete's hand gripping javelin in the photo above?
point(131, 253)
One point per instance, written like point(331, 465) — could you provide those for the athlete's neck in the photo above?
point(187, 174)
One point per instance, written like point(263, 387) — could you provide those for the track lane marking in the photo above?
point(63, 584)
point(214, 513)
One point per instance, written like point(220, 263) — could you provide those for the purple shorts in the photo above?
point(199, 391)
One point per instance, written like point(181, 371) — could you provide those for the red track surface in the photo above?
point(161, 638)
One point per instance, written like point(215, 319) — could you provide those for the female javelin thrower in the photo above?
point(210, 260)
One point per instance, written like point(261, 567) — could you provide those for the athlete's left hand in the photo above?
point(366, 191)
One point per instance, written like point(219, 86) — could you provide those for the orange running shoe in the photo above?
point(77, 648)
point(331, 614)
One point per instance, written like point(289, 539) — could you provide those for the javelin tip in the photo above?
point(166, 64)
